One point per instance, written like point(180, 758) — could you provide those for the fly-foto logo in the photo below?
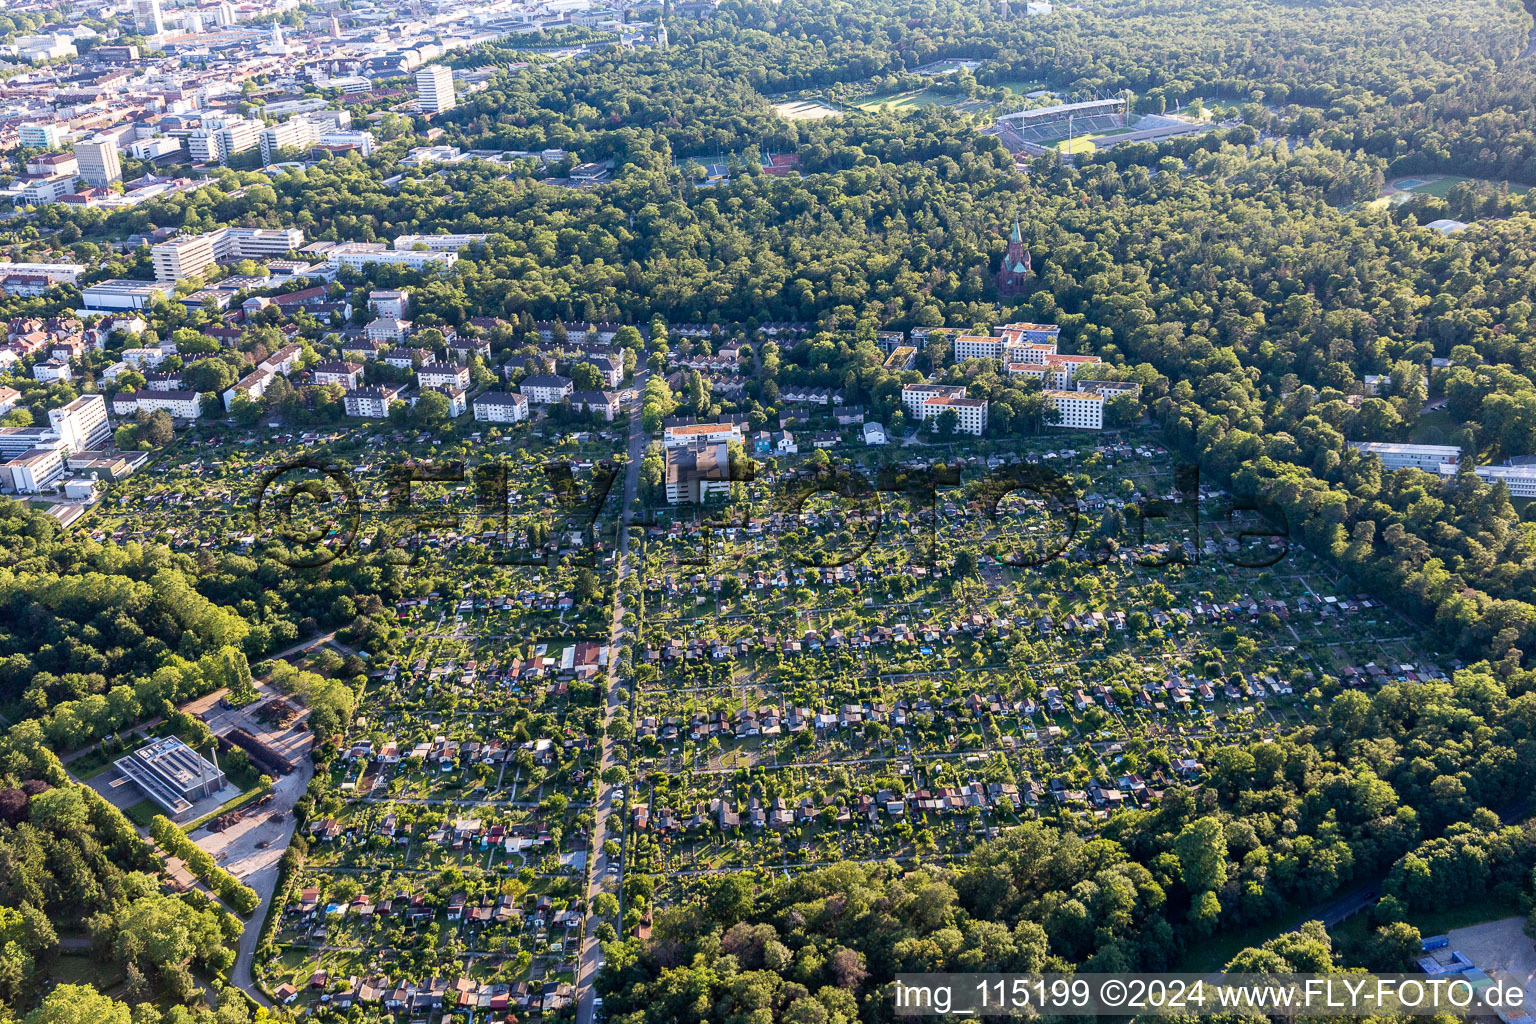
point(308, 513)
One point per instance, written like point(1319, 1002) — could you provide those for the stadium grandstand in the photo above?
point(1069, 128)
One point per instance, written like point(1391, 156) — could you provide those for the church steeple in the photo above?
point(1013, 276)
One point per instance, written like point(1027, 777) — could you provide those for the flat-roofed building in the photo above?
point(1520, 480)
point(1428, 457)
point(173, 775)
point(927, 400)
point(701, 433)
point(358, 255)
point(81, 424)
point(696, 471)
point(98, 161)
point(116, 294)
point(1079, 410)
point(34, 471)
point(187, 256)
point(438, 243)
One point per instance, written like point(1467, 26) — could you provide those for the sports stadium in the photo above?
point(1070, 128)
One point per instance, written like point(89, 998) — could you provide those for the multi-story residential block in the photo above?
point(1079, 410)
point(390, 303)
point(501, 407)
point(348, 375)
point(926, 401)
point(371, 402)
point(443, 375)
point(546, 388)
point(184, 405)
point(387, 328)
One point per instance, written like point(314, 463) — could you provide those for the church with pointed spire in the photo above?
point(1013, 276)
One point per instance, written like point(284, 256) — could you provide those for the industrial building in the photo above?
point(172, 774)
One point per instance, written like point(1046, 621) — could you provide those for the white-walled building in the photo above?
point(81, 424)
point(371, 402)
point(1428, 457)
point(434, 89)
point(1080, 410)
point(501, 407)
point(443, 375)
point(701, 433)
point(546, 388)
point(187, 256)
point(183, 405)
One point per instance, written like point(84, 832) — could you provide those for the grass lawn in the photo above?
point(805, 110)
point(142, 812)
point(1434, 427)
point(909, 100)
point(1022, 88)
point(81, 968)
point(1440, 186)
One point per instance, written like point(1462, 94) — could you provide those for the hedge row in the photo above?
point(229, 888)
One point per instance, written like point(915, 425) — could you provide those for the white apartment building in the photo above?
point(434, 89)
point(438, 243)
point(98, 161)
point(81, 424)
point(1428, 457)
point(914, 395)
point(443, 375)
point(52, 370)
point(1080, 410)
point(387, 302)
point(357, 255)
point(371, 402)
point(501, 407)
point(348, 375)
point(387, 328)
point(701, 433)
point(184, 405)
point(1055, 372)
point(455, 396)
point(187, 256)
point(546, 388)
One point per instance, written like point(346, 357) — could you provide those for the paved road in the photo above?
point(591, 954)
